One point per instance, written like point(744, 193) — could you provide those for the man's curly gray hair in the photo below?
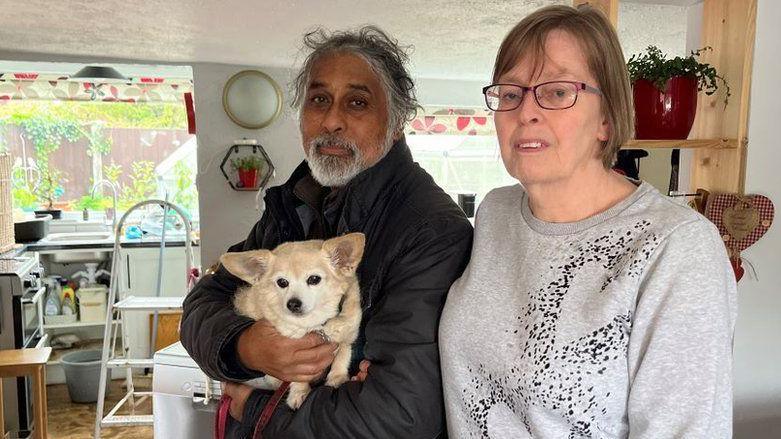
point(383, 54)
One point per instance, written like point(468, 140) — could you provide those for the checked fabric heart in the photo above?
point(741, 220)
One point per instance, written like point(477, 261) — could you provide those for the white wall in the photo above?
point(228, 215)
point(758, 333)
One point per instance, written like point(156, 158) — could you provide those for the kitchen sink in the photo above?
point(80, 253)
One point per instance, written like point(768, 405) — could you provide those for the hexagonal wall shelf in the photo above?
point(247, 167)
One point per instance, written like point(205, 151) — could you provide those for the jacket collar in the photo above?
point(363, 191)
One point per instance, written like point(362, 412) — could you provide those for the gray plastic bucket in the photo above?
point(82, 373)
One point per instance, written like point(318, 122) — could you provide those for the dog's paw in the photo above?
point(296, 397)
point(337, 330)
point(336, 379)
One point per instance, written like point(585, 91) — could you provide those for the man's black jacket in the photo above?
point(417, 244)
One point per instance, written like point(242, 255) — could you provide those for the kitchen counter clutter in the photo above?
point(66, 254)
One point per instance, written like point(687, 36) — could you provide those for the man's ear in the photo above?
point(345, 252)
point(248, 266)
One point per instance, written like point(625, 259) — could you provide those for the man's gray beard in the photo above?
point(337, 171)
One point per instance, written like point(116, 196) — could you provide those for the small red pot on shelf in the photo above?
point(667, 114)
point(248, 178)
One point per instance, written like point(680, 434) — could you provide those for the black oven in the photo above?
point(28, 317)
point(22, 297)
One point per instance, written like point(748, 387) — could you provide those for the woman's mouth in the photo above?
point(530, 146)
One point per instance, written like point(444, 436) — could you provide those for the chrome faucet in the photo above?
point(113, 188)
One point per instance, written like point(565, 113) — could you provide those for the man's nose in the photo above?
point(333, 120)
point(294, 305)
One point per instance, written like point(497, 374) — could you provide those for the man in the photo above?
point(354, 95)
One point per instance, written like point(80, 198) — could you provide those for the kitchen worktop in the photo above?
point(153, 241)
point(145, 242)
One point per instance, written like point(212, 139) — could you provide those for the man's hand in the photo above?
point(261, 347)
point(238, 394)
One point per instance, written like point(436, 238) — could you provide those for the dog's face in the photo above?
point(301, 282)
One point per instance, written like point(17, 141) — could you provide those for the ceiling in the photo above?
point(453, 39)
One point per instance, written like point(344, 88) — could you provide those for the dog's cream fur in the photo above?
point(330, 304)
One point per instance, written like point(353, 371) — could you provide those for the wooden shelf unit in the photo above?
point(719, 136)
point(682, 144)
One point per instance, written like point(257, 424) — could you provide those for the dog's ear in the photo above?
point(345, 252)
point(248, 266)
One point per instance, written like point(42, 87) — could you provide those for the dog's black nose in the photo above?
point(294, 305)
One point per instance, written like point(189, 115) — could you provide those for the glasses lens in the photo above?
point(503, 97)
point(556, 95)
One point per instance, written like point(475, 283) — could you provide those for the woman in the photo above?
point(592, 305)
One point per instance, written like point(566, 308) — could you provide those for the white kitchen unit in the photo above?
point(139, 278)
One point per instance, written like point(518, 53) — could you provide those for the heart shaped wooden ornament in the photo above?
point(741, 219)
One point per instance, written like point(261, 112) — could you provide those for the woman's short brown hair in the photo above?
point(603, 54)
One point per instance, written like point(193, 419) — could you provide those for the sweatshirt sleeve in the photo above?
point(680, 348)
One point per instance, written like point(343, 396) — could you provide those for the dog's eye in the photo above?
point(313, 280)
point(283, 283)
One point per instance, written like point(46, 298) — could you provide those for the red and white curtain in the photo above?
point(22, 85)
point(453, 121)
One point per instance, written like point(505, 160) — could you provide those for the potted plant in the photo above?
point(665, 92)
point(48, 191)
point(248, 168)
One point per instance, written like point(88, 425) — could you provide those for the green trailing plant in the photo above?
point(151, 115)
point(99, 143)
point(247, 163)
point(653, 65)
point(47, 133)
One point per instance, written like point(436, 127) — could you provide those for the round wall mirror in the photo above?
point(252, 99)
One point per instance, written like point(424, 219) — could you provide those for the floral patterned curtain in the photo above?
point(453, 121)
point(20, 85)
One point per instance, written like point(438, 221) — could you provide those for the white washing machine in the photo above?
point(184, 399)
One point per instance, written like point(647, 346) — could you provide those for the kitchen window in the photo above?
point(458, 147)
point(65, 136)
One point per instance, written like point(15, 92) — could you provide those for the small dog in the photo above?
point(301, 287)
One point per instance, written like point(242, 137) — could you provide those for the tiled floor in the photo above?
point(68, 420)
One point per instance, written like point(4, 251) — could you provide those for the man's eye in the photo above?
point(313, 280)
point(358, 103)
point(282, 282)
point(318, 100)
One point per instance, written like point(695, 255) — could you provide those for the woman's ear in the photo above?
point(603, 134)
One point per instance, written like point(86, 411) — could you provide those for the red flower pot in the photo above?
point(248, 178)
point(668, 114)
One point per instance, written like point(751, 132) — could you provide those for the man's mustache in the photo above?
point(333, 140)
